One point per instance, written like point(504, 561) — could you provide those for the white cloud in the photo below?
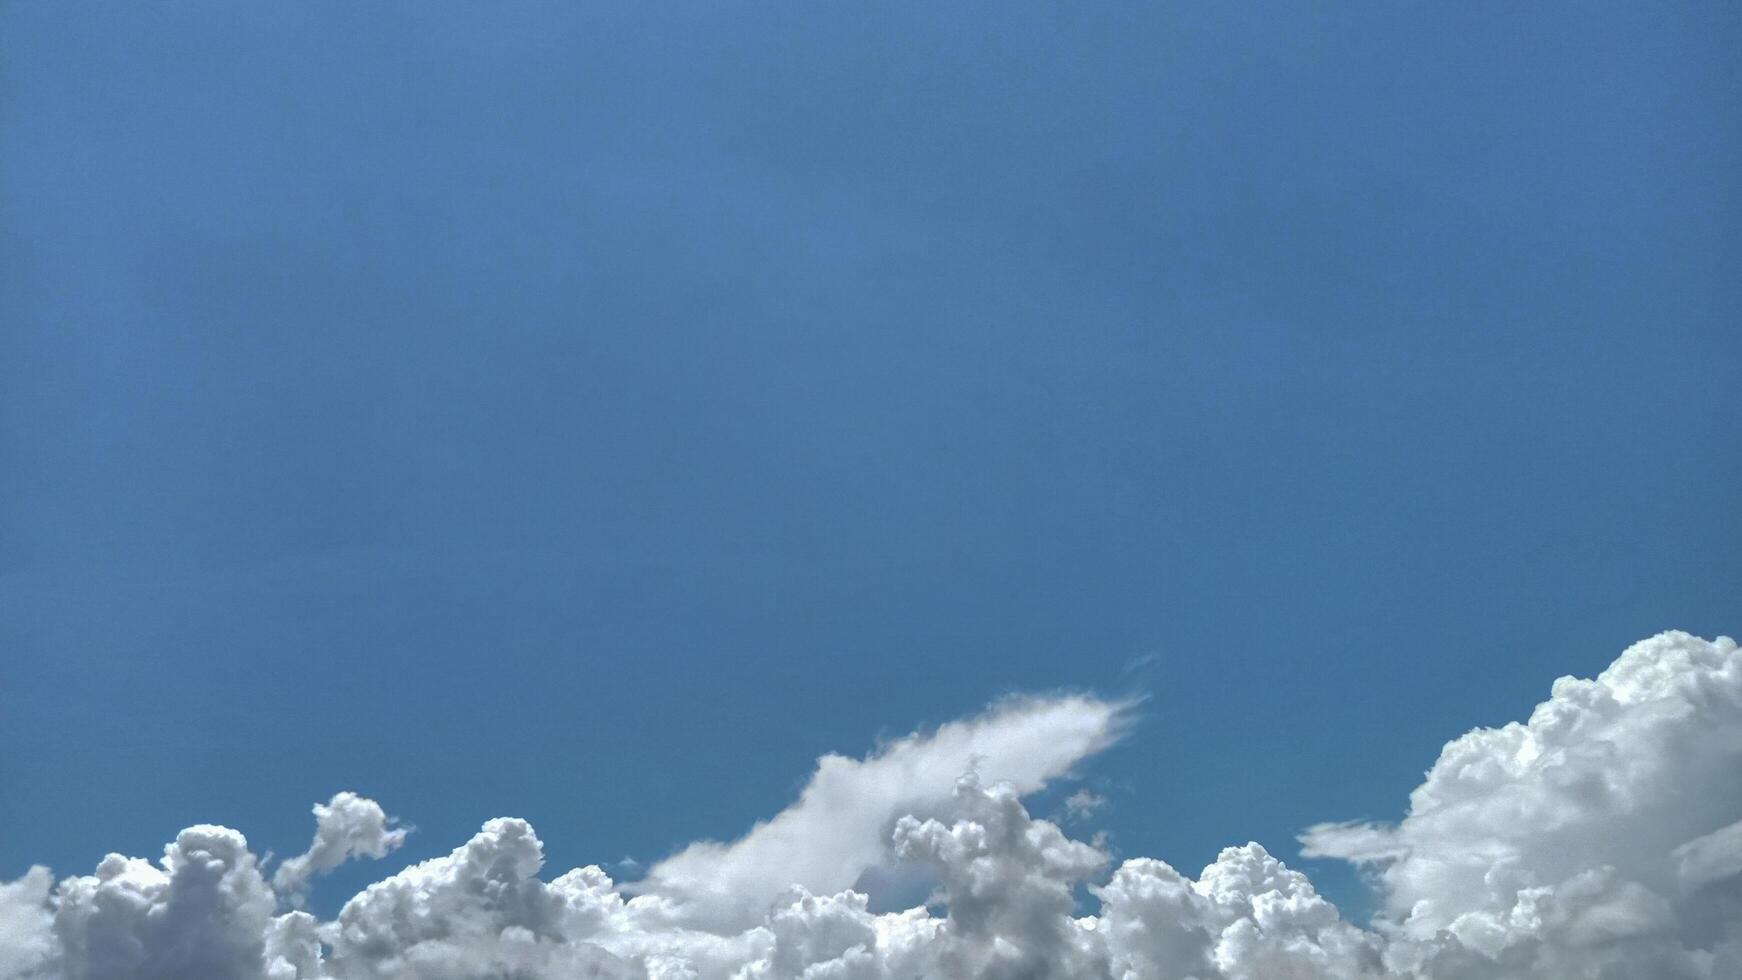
point(839, 827)
point(479, 912)
point(203, 912)
point(1710, 860)
point(1246, 916)
point(347, 826)
point(1582, 827)
point(1597, 841)
point(1083, 804)
point(26, 923)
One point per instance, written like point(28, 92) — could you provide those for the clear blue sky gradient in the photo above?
point(594, 414)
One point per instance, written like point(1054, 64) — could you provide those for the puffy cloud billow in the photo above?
point(346, 827)
point(1600, 839)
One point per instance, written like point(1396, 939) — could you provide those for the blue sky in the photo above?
point(597, 414)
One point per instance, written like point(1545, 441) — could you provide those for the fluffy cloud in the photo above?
point(203, 912)
point(839, 828)
point(347, 826)
point(480, 912)
point(1246, 917)
point(1598, 832)
point(26, 921)
point(1600, 840)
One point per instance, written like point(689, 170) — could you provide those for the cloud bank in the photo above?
point(1600, 839)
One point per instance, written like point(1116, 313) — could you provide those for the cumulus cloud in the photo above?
point(1599, 840)
point(480, 912)
point(26, 921)
point(203, 911)
point(347, 826)
point(1595, 832)
point(839, 827)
